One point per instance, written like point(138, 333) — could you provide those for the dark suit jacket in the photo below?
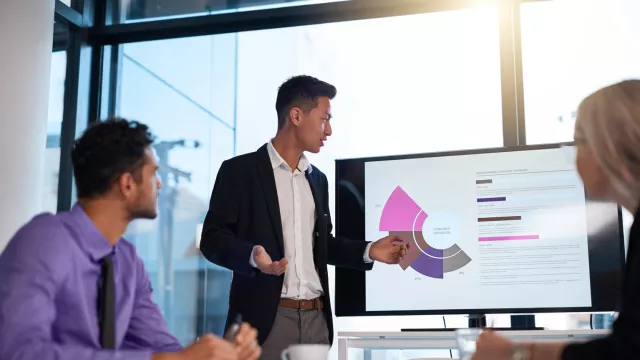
point(244, 212)
point(624, 342)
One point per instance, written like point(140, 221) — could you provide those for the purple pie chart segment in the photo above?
point(429, 266)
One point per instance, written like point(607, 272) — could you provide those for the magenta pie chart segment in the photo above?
point(401, 213)
point(403, 217)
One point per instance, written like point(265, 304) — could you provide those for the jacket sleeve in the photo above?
point(341, 251)
point(623, 343)
point(219, 242)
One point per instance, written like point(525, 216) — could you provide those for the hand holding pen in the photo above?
point(244, 337)
point(206, 347)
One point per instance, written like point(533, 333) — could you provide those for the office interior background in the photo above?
point(412, 76)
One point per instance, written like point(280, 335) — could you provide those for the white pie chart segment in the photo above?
point(441, 230)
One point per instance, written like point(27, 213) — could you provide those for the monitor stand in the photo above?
point(518, 322)
point(524, 322)
point(477, 321)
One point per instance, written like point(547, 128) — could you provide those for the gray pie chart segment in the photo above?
point(451, 251)
point(456, 262)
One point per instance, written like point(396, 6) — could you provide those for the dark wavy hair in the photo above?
point(301, 91)
point(106, 151)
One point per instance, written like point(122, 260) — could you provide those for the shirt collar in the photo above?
point(90, 238)
point(277, 160)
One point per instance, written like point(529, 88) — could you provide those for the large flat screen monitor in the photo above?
point(506, 230)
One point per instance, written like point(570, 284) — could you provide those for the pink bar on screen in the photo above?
point(507, 238)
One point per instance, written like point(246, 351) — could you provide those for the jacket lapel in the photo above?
point(315, 190)
point(320, 231)
point(268, 182)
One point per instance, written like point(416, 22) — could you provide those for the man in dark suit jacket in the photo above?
point(274, 204)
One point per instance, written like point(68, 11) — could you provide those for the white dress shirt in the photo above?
point(298, 217)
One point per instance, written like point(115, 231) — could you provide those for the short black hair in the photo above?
point(107, 150)
point(301, 91)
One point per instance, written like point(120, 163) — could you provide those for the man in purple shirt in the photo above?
point(72, 288)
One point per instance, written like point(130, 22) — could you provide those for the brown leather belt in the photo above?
point(302, 304)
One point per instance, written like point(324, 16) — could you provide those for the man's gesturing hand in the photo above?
point(389, 250)
point(265, 264)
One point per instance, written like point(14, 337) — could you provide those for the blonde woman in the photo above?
point(607, 138)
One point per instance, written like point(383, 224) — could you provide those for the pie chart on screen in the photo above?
point(433, 236)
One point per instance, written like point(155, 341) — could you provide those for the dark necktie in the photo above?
point(107, 305)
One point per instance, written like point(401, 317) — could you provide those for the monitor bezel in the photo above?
point(342, 291)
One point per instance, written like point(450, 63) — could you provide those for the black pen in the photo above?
point(234, 329)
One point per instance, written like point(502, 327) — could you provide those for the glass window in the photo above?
point(142, 10)
point(571, 48)
point(74, 4)
point(54, 126)
point(184, 90)
point(400, 91)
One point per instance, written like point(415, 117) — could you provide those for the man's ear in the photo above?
point(295, 115)
point(126, 184)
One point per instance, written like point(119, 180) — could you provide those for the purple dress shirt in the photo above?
point(49, 276)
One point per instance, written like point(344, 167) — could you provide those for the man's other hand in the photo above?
point(490, 346)
point(247, 343)
point(389, 250)
point(265, 264)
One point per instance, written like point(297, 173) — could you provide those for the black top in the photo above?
point(244, 212)
point(624, 341)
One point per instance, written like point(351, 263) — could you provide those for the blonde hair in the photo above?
point(608, 122)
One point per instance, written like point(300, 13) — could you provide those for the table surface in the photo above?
point(452, 334)
point(446, 339)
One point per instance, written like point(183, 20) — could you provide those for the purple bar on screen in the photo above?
point(492, 199)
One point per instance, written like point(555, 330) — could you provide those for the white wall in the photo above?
point(26, 36)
